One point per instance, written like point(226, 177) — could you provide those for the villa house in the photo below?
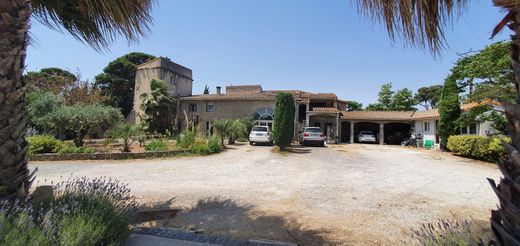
point(324, 110)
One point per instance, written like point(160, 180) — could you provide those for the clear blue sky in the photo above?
point(313, 45)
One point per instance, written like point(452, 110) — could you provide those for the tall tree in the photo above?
point(386, 94)
point(487, 73)
point(428, 96)
point(388, 100)
point(117, 81)
point(283, 129)
point(94, 22)
point(403, 100)
point(449, 111)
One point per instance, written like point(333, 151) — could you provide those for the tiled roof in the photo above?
point(377, 115)
point(325, 109)
point(426, 114)
point(319, 95)
point(255, 92)
point(235, 89)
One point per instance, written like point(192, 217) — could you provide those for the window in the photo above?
point(192, 108)
point(464, 130)
point(426, 126)
point(473, 129)
point(469, 129)
point(210, 107)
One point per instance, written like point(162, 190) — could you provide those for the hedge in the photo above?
point(477, 147)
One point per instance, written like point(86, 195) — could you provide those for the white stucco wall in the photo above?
point(427, 135)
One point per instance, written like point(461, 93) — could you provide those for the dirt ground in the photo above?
point(342, 194)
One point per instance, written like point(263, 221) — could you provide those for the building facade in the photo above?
point(322, 110)
point(178, 79)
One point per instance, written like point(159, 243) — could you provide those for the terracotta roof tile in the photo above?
point(426, 114)
point(325, 109)
point(377, 115)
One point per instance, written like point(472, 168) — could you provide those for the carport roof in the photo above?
point(377, 115)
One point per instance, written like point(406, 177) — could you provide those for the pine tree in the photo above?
point(449, 110)
point(283, 130)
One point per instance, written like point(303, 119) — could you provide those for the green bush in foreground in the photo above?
point(156, 145)
point(477, 147)
point(84, 212)
point(446, 233)
point(41, 144)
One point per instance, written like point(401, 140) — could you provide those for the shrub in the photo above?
point(446, 232)
point(214, 145)
point(76, 150)
point(84, 212)
point(126, 132)
point(201, 147)
point(40, 144)
point(156, 145)
point(477, 147)
point(186, 140)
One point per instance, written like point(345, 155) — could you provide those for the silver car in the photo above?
point(366, 137)
point(312, 135)
point(260, 134)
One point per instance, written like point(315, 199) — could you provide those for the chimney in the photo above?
point(218, 90)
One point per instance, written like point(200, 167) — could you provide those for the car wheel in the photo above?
point(251, 143)
point(304, 143)
point(323, 144)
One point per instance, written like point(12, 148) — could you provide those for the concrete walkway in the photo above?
point(165, 236)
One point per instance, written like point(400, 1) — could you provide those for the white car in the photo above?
point(312, 135)
point(260, 134)
point(366, 137)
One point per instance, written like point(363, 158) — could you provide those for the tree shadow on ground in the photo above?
point(225, 217)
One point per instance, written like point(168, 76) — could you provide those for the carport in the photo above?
point(390, 127)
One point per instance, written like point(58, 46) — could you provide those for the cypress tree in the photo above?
point(283, 129)
point(449, 110)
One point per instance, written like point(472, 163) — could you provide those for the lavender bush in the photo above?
point(83, 212)
point(446, 233)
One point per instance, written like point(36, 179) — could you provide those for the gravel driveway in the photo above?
point(344, 194)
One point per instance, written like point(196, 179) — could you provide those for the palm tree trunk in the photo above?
point(505, 221)
point(14, 174)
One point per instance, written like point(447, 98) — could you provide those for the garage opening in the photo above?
point(395, 133)
point(366, 126)
point(345, 132)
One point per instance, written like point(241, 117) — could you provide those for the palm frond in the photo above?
point(96, 22)
point(421, 23)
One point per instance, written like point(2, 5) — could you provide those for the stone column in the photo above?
point(381, 133)
point(352, 132)
point(338, 138)
point(307, 115)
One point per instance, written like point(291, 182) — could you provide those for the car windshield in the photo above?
point(366, 133)
point(313, 130)
point(259, 129)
